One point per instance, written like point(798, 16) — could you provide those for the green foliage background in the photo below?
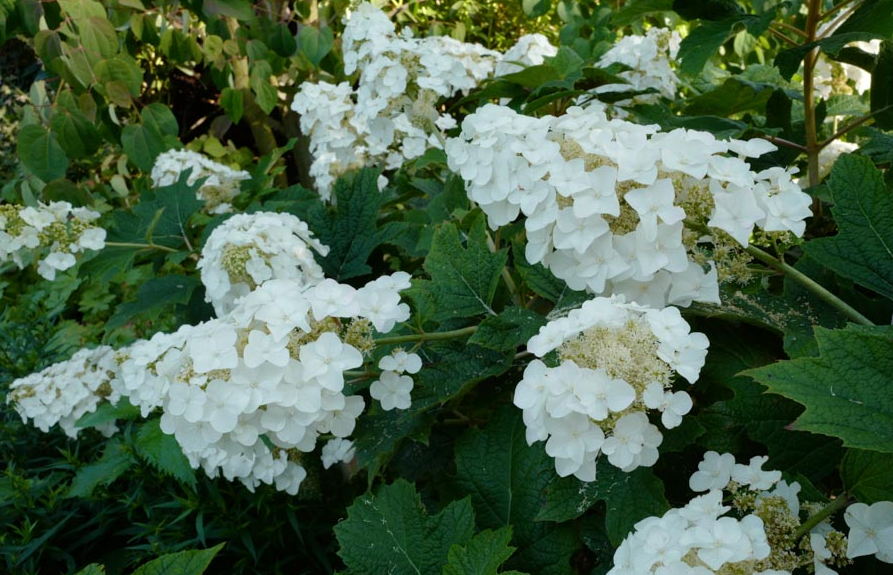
point(450, 486)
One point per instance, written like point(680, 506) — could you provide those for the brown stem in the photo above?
point(785, 143)
point(812, 145)
point(849, 127)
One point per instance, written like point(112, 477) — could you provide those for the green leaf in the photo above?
point(77, 136)
point(463, 279)
point(241, 10)
point(163, 452)
point(732, 97)
point(629, 496)
point(120, 69)
point(391, 532)
point(882, 88)
point(264, 93)
point(863, 248)
point(142, 145)
point(537, 277)
point(482, 555)
point(233, 103)
point(316, 43)
point(107, 412)
point(92, 569)
point(161, 216)
point(506, 478)
point(115, 460)
point(707, 9)
point(39, 151)
point(97, 35)
point(751, 414)
point(182, 563)
point(536, 8)
point(867, 475)
point(508, 330)
point(348, 227)
point(704, 41)
point(634, 10)
point(155, 295)
point(846, 390)
point(161, 118)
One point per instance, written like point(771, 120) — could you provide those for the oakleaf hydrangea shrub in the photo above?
point(545, 383)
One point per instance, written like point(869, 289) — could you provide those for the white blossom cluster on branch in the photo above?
point(616, 361)
point(221, 183)
point(391, 116)
point(52, 233)
point(248, 249)
point(273, 368)
point(65, 391)
point(650, 60)
point(606, 203)
point(764, 534)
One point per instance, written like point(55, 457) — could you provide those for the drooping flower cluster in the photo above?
point(65, 391)
point(57, 228)
point(618, 208)
point(702, 538)
point(273, 368)
point(248, 249)
point(616, 361)
point(650, 58)
point(393, 387)
point(392, 115)
point(221, 183)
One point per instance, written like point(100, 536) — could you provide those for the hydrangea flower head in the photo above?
point(615, 362)
point(221, 183)
point(248, 249)
point(271, 368)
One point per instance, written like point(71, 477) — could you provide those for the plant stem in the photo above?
point(812, 147)
point(783, 142)
point(809, 284)
point(834, 9)
point(813, 520)
point(849, 127)
point(435, 336)
point(140, 246)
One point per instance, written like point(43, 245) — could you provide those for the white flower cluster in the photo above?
point(273, 368)
point(65, 391)
point(392, 388)
point(650, 58)
point(392, 115)
point(57, 227)
point(616, 361)
point(701, 539)
point(529, 50)
point(221, 182)
point(248, 249)
point(607, 201)
point(777, 504)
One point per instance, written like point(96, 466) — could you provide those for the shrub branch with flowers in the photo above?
point(432, 298)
